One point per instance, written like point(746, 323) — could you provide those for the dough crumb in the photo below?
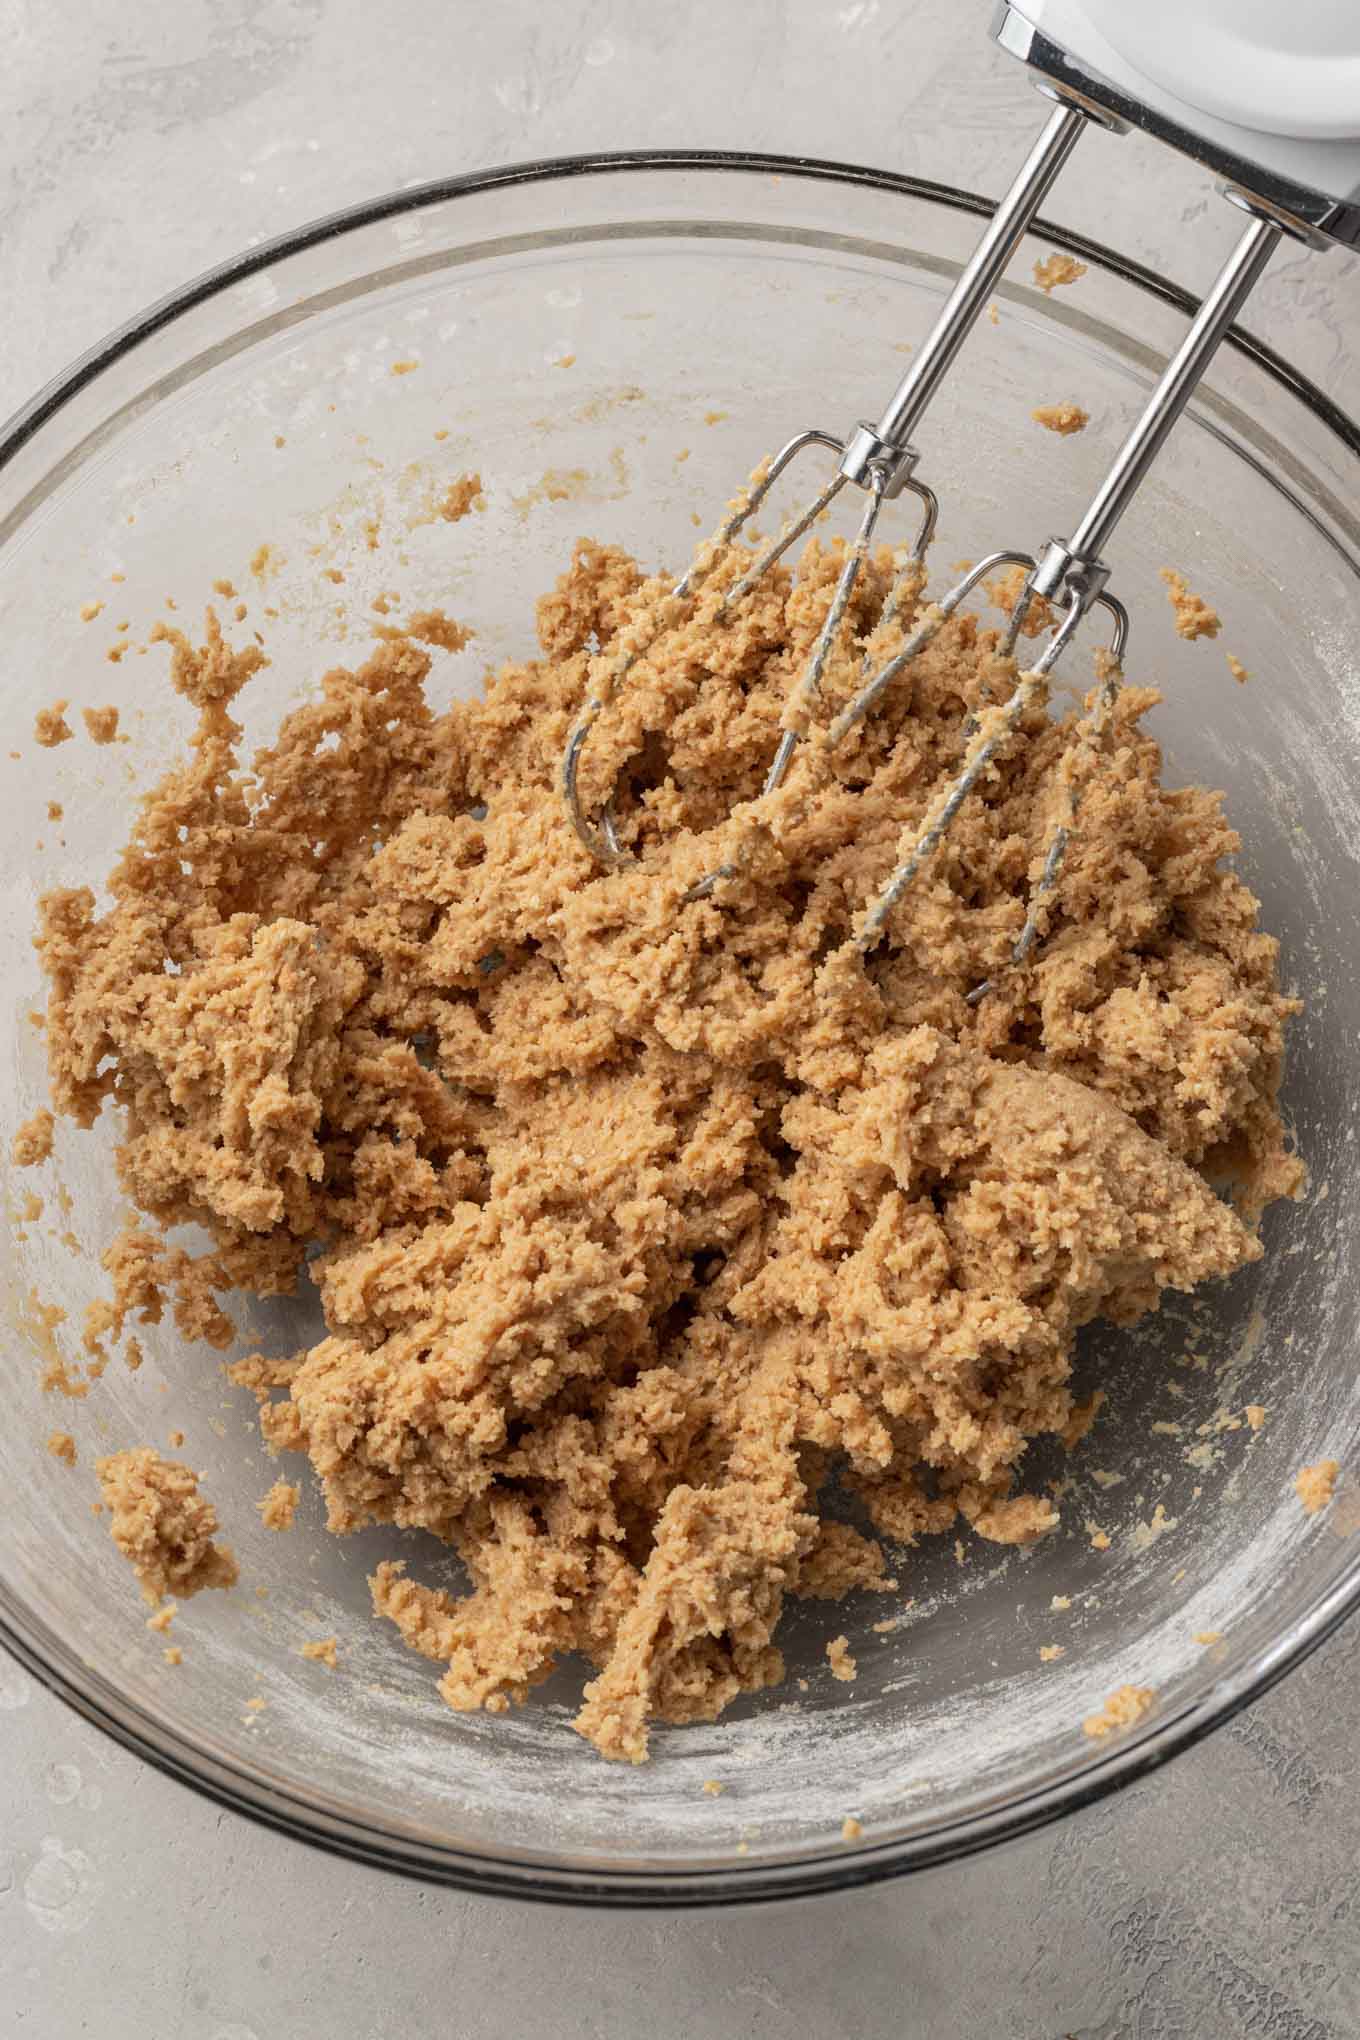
point(33, 1141)
point(1144, 1535)
point(322, 1652)
point(994, 312)
point(1315, 1485)
point(163, 1616)
point(851, 1829)
point(1061, 418)
point(1194, 617)
point(714, 417)
point(713, 1787)
point(62, 1446)
point(1056, 269)
point(1122, 1710)
point(404, 367)
point(279, 1507)
point(565, 361)
point(162, 1525)
point(32, 1208)
point(838, 1656)
point(1060, 1603)
point(55, 811)
point(1049, 1653)
point(89, 611)
point(176, 1440)
point(1255, 1414)
point(1237, 669)
point(1208, 1636)
point(172, 1654)
point(433, 627)
point(464, 494)
point(1099, 1538)
point(50, 726)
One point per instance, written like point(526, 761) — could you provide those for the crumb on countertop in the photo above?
point(1194, 616)
point(1315, 1485)
point(1122, 1710)
point(322, 1651)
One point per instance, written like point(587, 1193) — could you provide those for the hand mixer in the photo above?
point(1268, 99)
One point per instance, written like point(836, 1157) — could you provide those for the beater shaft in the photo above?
point(977, 281)
point(1177, 384)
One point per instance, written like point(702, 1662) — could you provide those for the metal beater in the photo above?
point(1273, 109)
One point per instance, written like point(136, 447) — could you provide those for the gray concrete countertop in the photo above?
point(137, 146)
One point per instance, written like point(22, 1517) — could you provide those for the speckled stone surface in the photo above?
point(136, 146)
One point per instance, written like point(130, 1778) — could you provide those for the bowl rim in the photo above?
point(59, 1669)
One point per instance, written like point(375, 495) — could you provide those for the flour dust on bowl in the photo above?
point(593, 338)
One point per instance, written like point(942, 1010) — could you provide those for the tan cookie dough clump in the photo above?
point(640, 1219)
point(162, 1525)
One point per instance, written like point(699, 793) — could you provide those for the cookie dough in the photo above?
point(638, 1219)
point(1057, 269)
point(1195, 618)
point(278, 1508)
point(1123, 1710)
point(1063, 419)
point(33, 1141)
point(162, 1525)
point(1315, 1485)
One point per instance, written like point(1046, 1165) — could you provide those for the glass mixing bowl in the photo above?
point(613, 343)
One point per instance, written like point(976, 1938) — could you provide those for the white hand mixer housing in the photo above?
point(1267, 99)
